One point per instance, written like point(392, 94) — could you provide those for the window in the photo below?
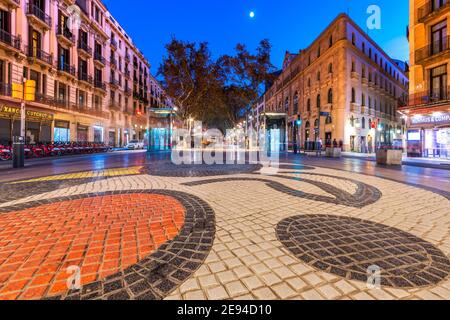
point(353, 95)
point(363, 47)
point(330, 96)
point(296, 103)
point(363, 123)
point(353, 66)
point(308, 105)
point(330, 41)
point(286, 105)
point(318, 101)
point(439, 37)
point(353, 39)
point(329, 120)
point(318, 52)
point(318, 76)
point(363, 100)
point(330, 68)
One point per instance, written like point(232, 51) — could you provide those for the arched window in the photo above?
point(296, 103)
point(308, 105)
point(286, 105)
point(316, 123)
point(353, 95)
point(330, 95)
point(330, 41)
point(280, 106)
point(318, 52)
point(318, 101)
point(309, 82)
point(318, 76)
point(307, 124)
point(330, 68)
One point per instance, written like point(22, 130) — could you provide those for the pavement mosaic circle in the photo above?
point(108, 237)
point(348, 247)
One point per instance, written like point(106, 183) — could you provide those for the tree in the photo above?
point(215, 92)
point(190, 76)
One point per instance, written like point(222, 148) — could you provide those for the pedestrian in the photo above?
point(335, 144)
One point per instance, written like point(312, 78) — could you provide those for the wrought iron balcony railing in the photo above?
point(39, 54)
point(67, 68)
point(98, 57)
point(10, 40)
point(432, 49)
point(34, 10)
point(430, 98)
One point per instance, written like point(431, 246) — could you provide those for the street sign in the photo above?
point(324, 114)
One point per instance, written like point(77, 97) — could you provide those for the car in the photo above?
point(135, 145)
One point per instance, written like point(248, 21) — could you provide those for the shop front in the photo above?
point(429, 136)
point(61, 131)
point(38, 125)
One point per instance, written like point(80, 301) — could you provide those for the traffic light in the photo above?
point(299, 121)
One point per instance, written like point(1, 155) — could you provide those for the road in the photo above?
point(428, 177)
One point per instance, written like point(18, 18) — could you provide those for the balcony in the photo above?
point(432, 50)
point(364, 81)
point(355, 108)
point(10, 41)
point(430, 10)
point(127, 92)
point(114, 83)
point(98, 84)
point(65, 36)
point(113, 43)
point(62, 103)
point(40, 56)
point(113, 63)
point(355, 75)
point(99, 59)
point(84, 77)
point(113, 105)
point(127, 74)
point(66, 69)
point(427, 98)
point(38, 17)
point(127, 57)
point(84, 50)
point(13, 4)
point(5, 89)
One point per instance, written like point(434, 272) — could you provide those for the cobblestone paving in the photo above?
point(237, 253)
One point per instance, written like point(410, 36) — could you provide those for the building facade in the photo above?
point(343, 87)
point(428, 111)
point(92, 82)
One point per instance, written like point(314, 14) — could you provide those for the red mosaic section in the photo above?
point(101, 235)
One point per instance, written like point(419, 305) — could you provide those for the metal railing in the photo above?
point(34, 10)
point(429, 8)
point(100, 85)
point(432, 49)
point(85, 47)
point(66, 33)
point(39, 54)
point(5, 89)
point(428, 98)
point(113, 43)
point(98, 57)
point(65, 67)
point(10, 40)
point(83, 76)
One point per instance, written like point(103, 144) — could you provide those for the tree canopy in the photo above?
point(214, 91)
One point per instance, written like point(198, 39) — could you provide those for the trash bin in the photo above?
point(18, 152)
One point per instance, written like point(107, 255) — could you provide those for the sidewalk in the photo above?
point(417, 162)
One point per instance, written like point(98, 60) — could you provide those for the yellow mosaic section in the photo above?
point(87, 174)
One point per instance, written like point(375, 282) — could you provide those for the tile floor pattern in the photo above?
point(247, 261)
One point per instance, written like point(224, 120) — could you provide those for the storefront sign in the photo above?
point(13, 112)
point(441, 118)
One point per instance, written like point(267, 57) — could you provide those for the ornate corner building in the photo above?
point(428, 111)
point(92, 82)
point(343, 87)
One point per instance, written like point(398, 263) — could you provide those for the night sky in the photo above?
point(288, 24)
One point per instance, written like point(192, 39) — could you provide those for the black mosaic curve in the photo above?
point(159, 274)
point(199, 170)
point(365, 194)
point(347, 247)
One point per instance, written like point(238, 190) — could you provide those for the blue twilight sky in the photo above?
point(288, 24)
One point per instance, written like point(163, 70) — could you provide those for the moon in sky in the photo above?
point(252, 14)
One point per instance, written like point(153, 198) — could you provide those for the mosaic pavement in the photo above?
point(202, 232)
